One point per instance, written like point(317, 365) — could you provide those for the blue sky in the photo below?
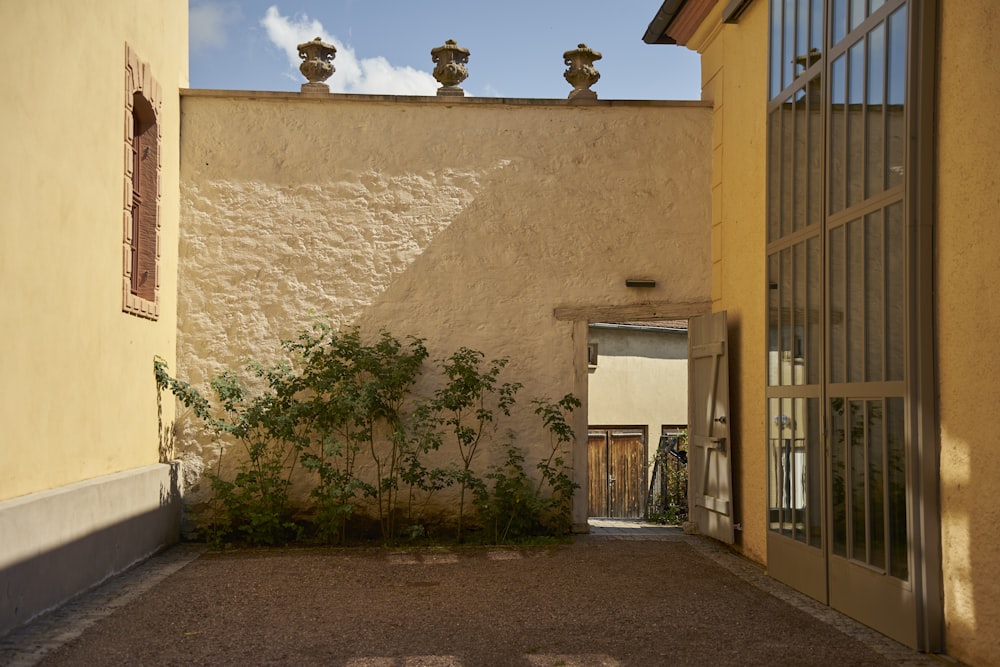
point(384, 46)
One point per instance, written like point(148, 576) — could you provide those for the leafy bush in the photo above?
point(340, 407)
point(515, 507)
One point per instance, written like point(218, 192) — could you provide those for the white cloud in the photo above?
point(207, 24)
point(374, 76)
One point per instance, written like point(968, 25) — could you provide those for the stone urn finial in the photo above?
point(450, 60)
point(581, 73)
point(317, 65)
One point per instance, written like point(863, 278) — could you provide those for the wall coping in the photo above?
point(446, 101)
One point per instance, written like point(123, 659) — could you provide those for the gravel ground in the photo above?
point(598, 601)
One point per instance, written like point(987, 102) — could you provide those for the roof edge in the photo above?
point(656, 32)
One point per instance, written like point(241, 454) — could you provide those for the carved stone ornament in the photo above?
point(317, 65)
point(581, 73)
point(450, 60)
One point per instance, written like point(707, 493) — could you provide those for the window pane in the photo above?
point(816, 26)
point(838, 132)
point(875, 151)
point(814, 456)
point(801, 37)
point(896, 464)
point(775, 49)
point(896, 85)
point(814, 151)
point(788, 54)
point(781, 464)
point(858, 8)
point(786, 317)
point(773, 174)
point(838, 500)
point(773, 319)
point(813, 301)
point(876, 64)
point(897, 56)
point(838, 28)
point(800, 158)
point(798, 481)
point(838, 304)
point(895, 250)
point(859, 478)
point(855, 124)
point(799, 307)
point(875, 301)
point(874, 5)
point(855, 302)
point(876, 487)
point(787, 166)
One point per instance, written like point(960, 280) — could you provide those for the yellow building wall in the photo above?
point(77, 397)
point(967, 271)
point(734, 79)
point(466, 222)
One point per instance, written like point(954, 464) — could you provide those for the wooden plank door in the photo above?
point(626, 459)
point(711, 479)
point(616, 473)
point(597, 466)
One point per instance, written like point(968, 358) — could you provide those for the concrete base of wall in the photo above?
point(56, 544)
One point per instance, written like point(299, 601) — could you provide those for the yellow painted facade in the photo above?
point(78, 394)
point(734, 78)
point(966, 313)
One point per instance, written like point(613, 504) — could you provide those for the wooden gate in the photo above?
point(616, 460)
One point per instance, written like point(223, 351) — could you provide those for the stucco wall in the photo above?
point(640, 380)
point(466, 222)
point(967, 245)
point(78, 393)
point(734, 78)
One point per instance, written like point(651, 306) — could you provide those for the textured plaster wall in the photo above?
point(967, 246)
point(640, 380)
point(734, 78)
point(464, 222)
point(78, 398)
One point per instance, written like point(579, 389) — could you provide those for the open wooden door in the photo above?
point(710, 480)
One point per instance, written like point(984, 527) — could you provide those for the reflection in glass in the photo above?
point(799, 313)
point(896, 464)
point(855, 330)
point(838, 490)
point(857, 12)
point(786, 317)
point(795, 469)
point(813, 301)
point(876, 487)
point(838, 303)
point(773, 174)
point(896, 83)
point(773, 320)
point(838, 131)
point(838, 25)
point(875, 149)
point(875, 301)
point(788, 57)
point(814, 463)
point(775, 49)
point(855, 147)
point(800, 158)
point(895, 249)
point(856, 420)
point(816, 25)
